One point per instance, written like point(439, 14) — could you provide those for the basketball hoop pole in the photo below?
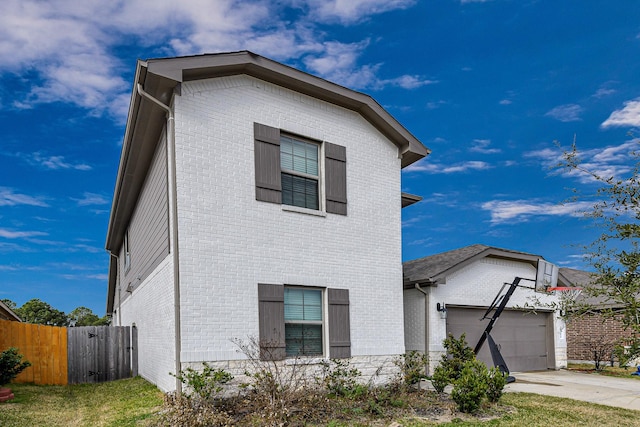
point(501, 302)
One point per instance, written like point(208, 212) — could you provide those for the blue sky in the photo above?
point(488, 85)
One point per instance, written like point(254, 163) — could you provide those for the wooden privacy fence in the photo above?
point(85, 354)
point(44, 346)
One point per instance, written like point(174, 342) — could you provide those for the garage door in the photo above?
point(521, 337)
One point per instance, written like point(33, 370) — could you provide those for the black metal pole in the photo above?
point(499, 310)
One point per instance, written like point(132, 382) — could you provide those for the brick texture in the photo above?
point(229, 242)
point(590, 333)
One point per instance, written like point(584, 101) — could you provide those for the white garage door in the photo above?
point(521, 337)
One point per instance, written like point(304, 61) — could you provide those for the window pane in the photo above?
point(299, 191)
point(313, 305)
point(298, 156)
point(303, 340)
point(293, 304)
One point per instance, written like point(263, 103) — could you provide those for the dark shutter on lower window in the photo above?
point(271, 321)
point(336, 178)
point(339, 324)
point(267, 163)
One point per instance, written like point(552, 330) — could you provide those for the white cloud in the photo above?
point(505, 102)
point(433, 168)
point(56, 162)
point(482, 146)
point(612, 161)
point(68, 46)
point(9, 198)
point(629, 115)
point(89, 199)
point(517, 211)
point(9, 234)
point(348, 11)
point(566, 113)
point(407, 82)
point(603, 92)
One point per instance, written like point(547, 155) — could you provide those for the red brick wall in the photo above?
point(592, 332)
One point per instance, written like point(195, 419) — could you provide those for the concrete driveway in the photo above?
point(619, 392)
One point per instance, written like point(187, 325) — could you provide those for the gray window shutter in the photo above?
point(336, 178)
point(339, 325)
point(267, 162)
point(271, 321)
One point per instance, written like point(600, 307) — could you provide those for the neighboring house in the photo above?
point(7, 314)
point(255, 200)
point(465, 281)
point(590, 332)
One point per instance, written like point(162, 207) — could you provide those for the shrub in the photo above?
point(496, 380)
point(11, 364)
point(451, 364)
point(275, 385)
point(206, 383)
point(413, 368)
point(340, 379)
point(458, 354)
point(471, 386)
point(441, 377)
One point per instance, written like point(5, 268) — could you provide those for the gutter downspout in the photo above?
point(173, 207)
point(426, 322)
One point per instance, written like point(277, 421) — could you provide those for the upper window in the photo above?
point(303, 321)
point(127, 252)
point(291, 171)
point(299, 172)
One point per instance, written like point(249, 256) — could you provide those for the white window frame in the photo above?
point(319, 178)
point(322, 323)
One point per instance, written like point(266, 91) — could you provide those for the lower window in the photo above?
point(303, 321)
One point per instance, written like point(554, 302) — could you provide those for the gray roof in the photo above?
point(433, 269)
point(570, 277)
point(574, 278)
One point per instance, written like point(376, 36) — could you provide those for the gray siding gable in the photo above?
point(149, 226)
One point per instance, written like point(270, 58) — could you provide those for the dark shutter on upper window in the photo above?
point(339, 325)
point(267, 162)
point(271, 321)
point(336, 178)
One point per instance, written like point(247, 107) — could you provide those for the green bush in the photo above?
point(496, 380)
point(413, 367)
point(441, 377)
point(458, 354)
point(206, 383)
point(11, 364)
point(470, 389)
point(341, 380)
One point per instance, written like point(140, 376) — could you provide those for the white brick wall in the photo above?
point(150, 308)
point(229, 242)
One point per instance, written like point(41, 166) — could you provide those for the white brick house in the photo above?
point(255, 200)
point(465, 281)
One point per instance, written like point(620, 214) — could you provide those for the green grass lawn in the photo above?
point(135, 402)
point(119, 403)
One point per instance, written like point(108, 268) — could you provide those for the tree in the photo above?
point(36, 311)
point(615, 254)
point(83, 316)
point(12, 305)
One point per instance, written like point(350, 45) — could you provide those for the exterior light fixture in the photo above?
point(442, 309)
